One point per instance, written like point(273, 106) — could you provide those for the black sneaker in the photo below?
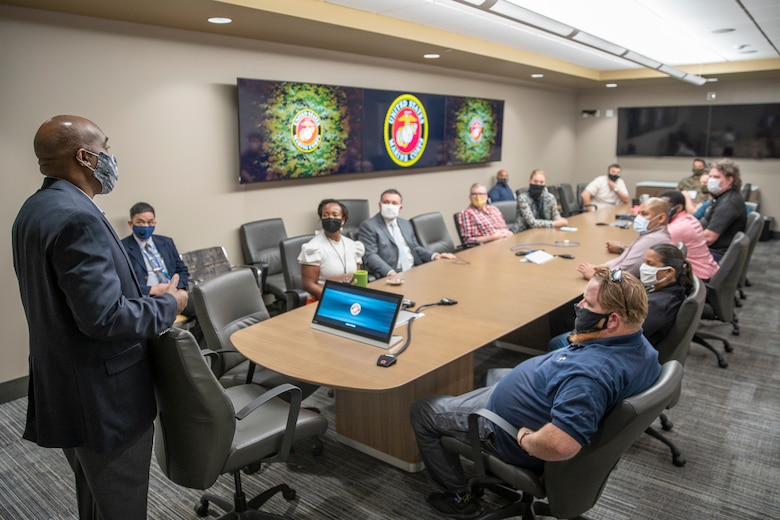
point(454, 505)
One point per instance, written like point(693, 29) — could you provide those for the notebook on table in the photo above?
point(360, 313)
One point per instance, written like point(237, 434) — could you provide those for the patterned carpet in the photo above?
point(727, 424)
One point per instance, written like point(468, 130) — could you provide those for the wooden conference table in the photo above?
point(496, 294)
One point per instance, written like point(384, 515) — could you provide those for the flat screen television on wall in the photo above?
point(740, 131)
point(302, 130)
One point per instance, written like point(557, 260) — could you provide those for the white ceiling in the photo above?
point(674, 32)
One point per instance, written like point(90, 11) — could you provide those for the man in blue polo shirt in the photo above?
point(556, 400)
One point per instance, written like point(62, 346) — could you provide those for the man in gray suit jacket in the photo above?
point(90, 386)
point(391, 246)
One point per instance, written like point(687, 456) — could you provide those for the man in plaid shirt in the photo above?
point(480, 223)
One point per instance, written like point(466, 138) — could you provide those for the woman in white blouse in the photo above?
point(329, 255)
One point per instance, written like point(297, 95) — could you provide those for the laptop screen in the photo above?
point(359, 311)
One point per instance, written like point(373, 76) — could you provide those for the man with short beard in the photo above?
point(556, 400)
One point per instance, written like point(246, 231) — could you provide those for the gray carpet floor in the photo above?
point(727, 424)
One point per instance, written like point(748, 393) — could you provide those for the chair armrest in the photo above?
point(295, 298)
point(292, 414)
point(476, 444)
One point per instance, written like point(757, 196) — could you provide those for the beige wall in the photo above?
point(166, 99)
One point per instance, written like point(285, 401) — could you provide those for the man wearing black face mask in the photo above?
point(557, 400)
point(90, 389)
point(537, 207)
point(501, 190)
point(606, 190)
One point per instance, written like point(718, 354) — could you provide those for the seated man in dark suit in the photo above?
point(391, 246)
point(154, 260)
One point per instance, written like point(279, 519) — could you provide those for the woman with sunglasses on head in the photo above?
point(668, 279)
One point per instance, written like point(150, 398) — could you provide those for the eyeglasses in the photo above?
point(616, 276)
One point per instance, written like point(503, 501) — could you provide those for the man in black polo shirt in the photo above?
point(726, 216)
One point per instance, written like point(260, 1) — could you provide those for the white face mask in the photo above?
point(713, 186)
point(648, 274)
point(390, 211)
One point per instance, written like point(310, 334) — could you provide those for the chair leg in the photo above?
point(677, 457)
point(699, 339)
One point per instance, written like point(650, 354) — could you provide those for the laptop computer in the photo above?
point(360, 313)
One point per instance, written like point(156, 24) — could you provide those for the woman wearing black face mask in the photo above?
point(537, 207)
point(329, 255)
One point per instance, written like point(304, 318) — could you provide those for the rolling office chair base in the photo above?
point(699, 338)
point(240, 508)
point(677, 457)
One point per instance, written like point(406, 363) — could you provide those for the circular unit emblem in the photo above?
point(406, 130)
point(306, 130)
point(355, 309)
point(475, 130)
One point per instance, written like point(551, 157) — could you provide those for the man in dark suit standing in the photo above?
point(90, 387)
point(391, 246)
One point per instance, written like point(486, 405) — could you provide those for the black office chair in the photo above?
point(721, 289)
point(203, 430)
point(508, 209)
point(224, 305)
point(571, 203)
point(746, 190)
point(572, 486)
point(753, 228)
point(260, 244)
point(210, 262)
point(358, 212)
point(290, 248)
point(431, 232)
point(675, 347)
point(580, 188)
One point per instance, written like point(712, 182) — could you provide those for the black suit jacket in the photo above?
point(90, 383)
point(169, 254)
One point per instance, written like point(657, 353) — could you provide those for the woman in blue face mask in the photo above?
point(668, 279)
point(329, 255)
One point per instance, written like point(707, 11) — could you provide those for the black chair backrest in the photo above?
point(746, 190)
point(290, 248)
point(456, 218)
point(431, 232)
point(753, 229)
point(195, 421)
point(260, 243)
point(224, 305)
point(573, 486)
point(568, 200)
point(723, 285)
point(358, 212)
point(508, 209)
point(676, 343)
point(580, 188)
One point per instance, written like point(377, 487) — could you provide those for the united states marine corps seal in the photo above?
point(306, 130)
point(406, 130)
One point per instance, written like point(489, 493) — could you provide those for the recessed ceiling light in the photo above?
point(537, 76)
point(747, 51)
point(712, 80)
point(611, 85)
point(220, 20)
point(431, 56)
point(724, 30)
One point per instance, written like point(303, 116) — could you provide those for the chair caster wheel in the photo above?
point(202, 508)
point(289, 494)
point(723, 363)
point(727, 346)
point(317, 448)
point(679, 461)
point(667, 426)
